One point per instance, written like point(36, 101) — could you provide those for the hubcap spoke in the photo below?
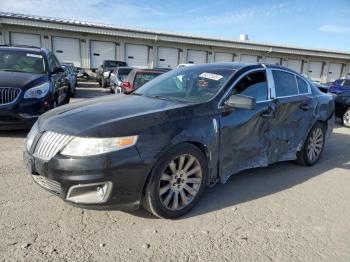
point(193, 171)
point(189, 163)
point(183, 197)
point(168, 197)
point(176, 200)
point(193, 180)
point(163, 190)
point(166, 177)
point(190, 190)
point(181, 163)
point(172, 167)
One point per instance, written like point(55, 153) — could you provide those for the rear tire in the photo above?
point(346, 118)
point(176, 183)
point(313, 146)
point(104, 83)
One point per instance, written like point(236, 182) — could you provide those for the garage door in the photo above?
point(315, 70)
point(334, 72)
point(197, 57)
point(136, 55)
point(67, 49)
point(167, 57)
point(272, 60)
point(249, 58)
point(100, 51)
point(223, 57)
point(25, 39)
point(295, 65)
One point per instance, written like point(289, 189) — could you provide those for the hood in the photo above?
point(112, 115)
point(20, 80)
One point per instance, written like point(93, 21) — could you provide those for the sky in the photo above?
point(315, 24)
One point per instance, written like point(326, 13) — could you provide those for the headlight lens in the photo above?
point(31, 135)
point(80, 146)
point(38, 91)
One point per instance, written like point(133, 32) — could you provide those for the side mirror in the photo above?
point(241, 101)
point(57, 70)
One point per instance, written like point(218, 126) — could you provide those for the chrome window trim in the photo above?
point(226, 94)
point(295, 76)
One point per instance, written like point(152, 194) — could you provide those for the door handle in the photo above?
point(267, 113)
point(305, 106)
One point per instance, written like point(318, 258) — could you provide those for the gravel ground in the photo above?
point(282, 213)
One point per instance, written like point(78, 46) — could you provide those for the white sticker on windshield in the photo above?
point(35, 55)
point(211, 76)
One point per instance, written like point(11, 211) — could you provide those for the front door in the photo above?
point(244, 140)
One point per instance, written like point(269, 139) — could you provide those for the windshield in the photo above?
point(187, 84)
point(123, 73)
point(114, 63)
point(346, 83)
point(22, 61)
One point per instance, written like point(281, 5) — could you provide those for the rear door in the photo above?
point(197, 57)
point(294, 106)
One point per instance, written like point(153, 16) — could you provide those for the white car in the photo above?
point(118, 75)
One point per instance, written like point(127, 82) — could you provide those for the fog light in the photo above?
point(100, 191)
point(90, 193)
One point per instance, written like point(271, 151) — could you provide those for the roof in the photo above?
point(24, 48)
point(105, 29)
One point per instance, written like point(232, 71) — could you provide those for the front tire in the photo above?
point(104, 82)
point(177, 182)
point(346, 118)
point(313, 146)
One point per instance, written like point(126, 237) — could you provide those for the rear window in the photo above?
point(114, 63)
point(285, 84)
point(22, 61)
point(302, 86)
point(123, 73)
point(142, 78)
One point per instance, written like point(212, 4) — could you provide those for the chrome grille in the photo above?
point(49, 144)
point(49, 184)
point(8, 95)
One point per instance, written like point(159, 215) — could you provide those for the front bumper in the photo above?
point(23, 114)
point(123, 169)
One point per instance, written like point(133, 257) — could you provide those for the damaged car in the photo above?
point(187, 129)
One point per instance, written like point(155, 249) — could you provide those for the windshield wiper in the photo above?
point(136, 94)
point(164, 98)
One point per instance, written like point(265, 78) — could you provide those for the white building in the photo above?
point(88, 44)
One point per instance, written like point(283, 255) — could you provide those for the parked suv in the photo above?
point(32, 81)
point(104, 71)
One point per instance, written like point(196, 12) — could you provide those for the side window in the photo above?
point(254, 85)
point(285, 83)
point(55, 61)
point(302, 86)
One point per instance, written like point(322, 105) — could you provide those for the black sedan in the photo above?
point(184, 130)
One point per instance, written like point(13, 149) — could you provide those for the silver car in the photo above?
point(118, 75)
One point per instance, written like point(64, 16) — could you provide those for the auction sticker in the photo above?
point(34, 55)
point(211, 76)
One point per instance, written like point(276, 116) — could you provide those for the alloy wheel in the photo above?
point(346, 118)
point(315, 145)
point(180, 182)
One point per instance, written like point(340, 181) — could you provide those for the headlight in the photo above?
point(79, 146)
point(31, 135)
point(38, 91)
point(106, 74)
